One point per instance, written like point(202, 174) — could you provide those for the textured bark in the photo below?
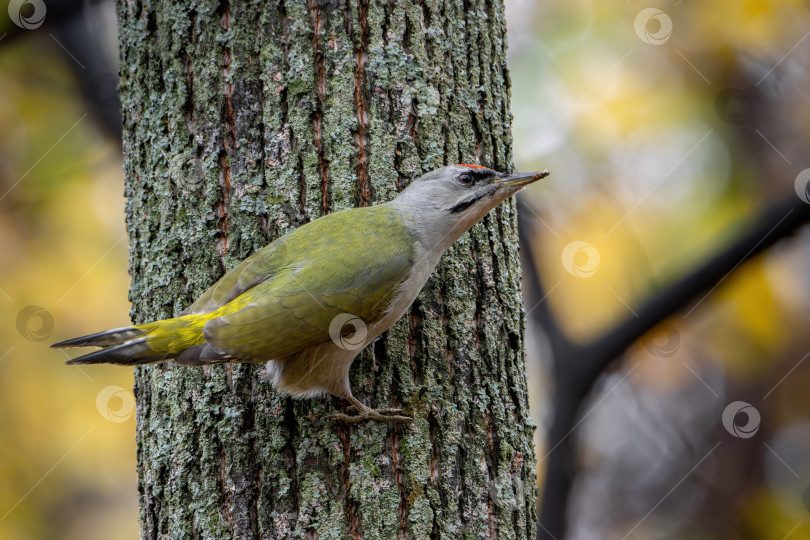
point(296, 109)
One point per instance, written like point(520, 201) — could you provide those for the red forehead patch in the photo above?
point(471, 166)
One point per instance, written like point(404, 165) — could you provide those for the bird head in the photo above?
point(448, 201)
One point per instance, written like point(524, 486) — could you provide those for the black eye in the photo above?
point(465, 179)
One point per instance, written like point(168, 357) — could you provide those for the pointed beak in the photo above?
point(520, 179)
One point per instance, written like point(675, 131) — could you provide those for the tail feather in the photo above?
point(131, 353)
point(102, 339)
point(150, 343)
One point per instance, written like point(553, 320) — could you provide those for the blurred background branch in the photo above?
point(577, 366)
point(668, 407)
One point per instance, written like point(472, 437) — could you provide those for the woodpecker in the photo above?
point(310, 301)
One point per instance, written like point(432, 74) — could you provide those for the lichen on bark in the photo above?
point(289, 110)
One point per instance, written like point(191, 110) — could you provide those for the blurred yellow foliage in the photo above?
point(658, 123)
point(757, 26)
point(67, 460)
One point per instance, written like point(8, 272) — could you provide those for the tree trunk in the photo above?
point(243, 121)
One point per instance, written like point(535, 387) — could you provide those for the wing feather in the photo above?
point(307, 281)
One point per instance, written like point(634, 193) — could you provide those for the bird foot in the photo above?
point(367, 413)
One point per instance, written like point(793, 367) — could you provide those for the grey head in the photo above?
point(444, 203)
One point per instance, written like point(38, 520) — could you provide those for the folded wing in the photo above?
point(284, 299)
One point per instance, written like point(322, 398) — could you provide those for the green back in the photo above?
point(283, 298)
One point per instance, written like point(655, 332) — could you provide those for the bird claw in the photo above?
point(352, 408)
